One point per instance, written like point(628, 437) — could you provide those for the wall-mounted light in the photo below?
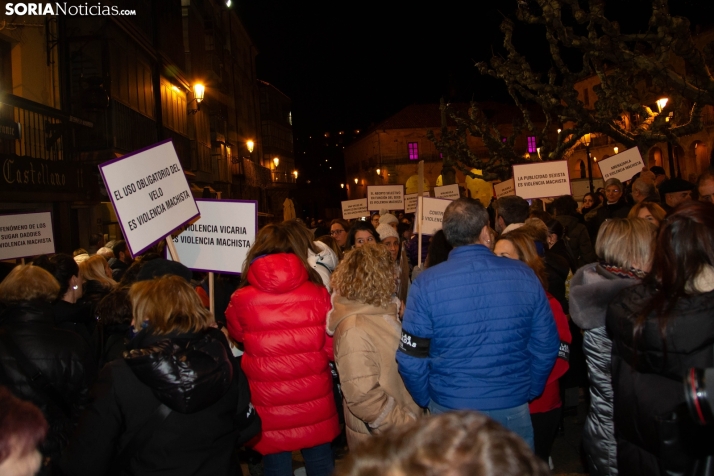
point(661, 103)
point(295, 173)
point(276, 161)
point(594, 159)
point(558, 131)
point(616, 150)
point(538, 150)
point(228, 3)
point(342, 185)
point(586, 139)
point(356, 180)
point(199, 91)
point(379, 171)
point(250, 145)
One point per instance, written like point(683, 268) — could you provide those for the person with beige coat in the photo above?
point(365, 324)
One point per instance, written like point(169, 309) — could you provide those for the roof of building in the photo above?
point(419, 116)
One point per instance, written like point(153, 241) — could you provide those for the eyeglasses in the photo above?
point(336, 232)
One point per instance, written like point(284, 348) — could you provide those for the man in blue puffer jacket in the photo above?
point(478, 332)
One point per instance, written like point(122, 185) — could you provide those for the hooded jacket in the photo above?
point(591, 290)
point(280, 318)
point(192, 374)
point(366, 338)
point(647, 380)
point(61, 355)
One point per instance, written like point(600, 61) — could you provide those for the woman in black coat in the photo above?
point(47, 366)
point(176, 404)
point(661, 329)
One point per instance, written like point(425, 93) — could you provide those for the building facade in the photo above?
point(87, 89)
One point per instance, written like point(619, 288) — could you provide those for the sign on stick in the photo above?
point(27, 234)
point(150, 194)
point(542, 179)
point(504, 188)
point(354, 209)
point(220, 240)
point(385, 197)
point(622, 166)
point(410, 202)
point(450, 192)
point(433, 214)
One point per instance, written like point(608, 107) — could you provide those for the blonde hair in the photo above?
point(657, 212)
point(626, 242)
point(169, 304)
point(26, 283)
point(366, 274)
point(92, 268)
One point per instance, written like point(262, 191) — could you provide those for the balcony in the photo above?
point(34, 130)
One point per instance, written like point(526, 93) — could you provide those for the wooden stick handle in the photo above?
point(211, 293)
point(172, 249)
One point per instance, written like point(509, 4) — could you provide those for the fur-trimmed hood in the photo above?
point(591, 290)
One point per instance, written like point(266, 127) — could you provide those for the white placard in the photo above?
point(542, 179)
point(354, 209)
point(433, 214)
point(504, 189)
point(410, 202)
point(450, 192)
point(220, 240)
point(150, 194)
point(27, 234)
point(622, 166)
point(385, 197)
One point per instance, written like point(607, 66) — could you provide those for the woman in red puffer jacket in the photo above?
point(279, 313)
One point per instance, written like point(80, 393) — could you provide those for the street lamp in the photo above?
point(587, 140)
point(276, 161)
point(199, 91)
point(379, 171)
point(295, 173)
point(250, 145)
point(356, 180)
point(342, 185)
point(661, 103)
point(616, 150)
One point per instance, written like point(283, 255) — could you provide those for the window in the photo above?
point(413, 148)
point(532, 147)
point(504, 139)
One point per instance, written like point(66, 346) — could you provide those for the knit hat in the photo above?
point(161, 267)
point(386, 231)
point(387, 218)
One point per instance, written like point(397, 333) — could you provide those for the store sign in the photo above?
point(26, 234)
point(220, 239)
point(150, 194)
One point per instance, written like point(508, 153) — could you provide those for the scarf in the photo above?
point(621, 272)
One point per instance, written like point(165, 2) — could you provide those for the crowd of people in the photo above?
point(459, 363)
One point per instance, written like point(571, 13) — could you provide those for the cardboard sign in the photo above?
point(504, 189)
point(385, 197)
point(450, 192)
point(354, 209)
point(542, 179)
point(622, 166)
point(410, 202)
point(150, 194)
point(220, 240)
point(27, 234)
point(432, 215)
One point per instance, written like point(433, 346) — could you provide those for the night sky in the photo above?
point(347, 65)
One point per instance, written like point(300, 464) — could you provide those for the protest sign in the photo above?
point(504, 189)
point(354, 209)
point(542, 179)
point(220, 240)
point(385, 197)
point(150, 194)
point(26, 234)
point(450, 192)
point(622, 166)
point(433, 214)
point(410, 202)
